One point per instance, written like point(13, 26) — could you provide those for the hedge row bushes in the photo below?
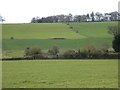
point(54, 53)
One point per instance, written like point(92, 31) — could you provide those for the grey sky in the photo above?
point(20, 11)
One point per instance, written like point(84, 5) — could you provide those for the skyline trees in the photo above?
point(93, 17)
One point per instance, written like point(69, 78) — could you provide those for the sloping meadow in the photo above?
point(17, 37)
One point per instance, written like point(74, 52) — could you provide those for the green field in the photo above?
point(60, 74)
point(32, 35)
point(39, 31)
point(72, 73)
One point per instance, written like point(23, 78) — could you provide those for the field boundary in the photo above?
point(7, 59)
point(60, 89)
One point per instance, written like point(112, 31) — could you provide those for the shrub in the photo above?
point(54, 50)
point(69, 54)
point(83, 54)
point(77, 32)
point(116, 43)
point(78, 54)
point(33, 52)
point(98, 53)
point(71, 27)
point(11, 38)
point(90, 51)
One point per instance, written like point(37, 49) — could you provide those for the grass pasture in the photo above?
point(38, 31)
point(16, 47)
point(64, 73)
point(30, 35)
point(60, 74)
point(93, 29)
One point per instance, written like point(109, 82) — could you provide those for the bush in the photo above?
point(71, 27)
point(93, 52)
point(83, 54)
point(77, 32)
point(90, 51)
point(78, 54)
point(33, 52)
point(54, 50)
point(116, 43)
point(70, 54)
point(11, 38)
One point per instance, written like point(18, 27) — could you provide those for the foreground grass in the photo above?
point(60, 74)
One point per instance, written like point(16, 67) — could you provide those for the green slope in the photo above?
point(38, 31)
point(29, 35)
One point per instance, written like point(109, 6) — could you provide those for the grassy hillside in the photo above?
point(38, 31)
point(60, 74)
point(93, 29)
point(29, 35)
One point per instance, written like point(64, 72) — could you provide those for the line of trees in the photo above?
point(52, 19)
point(113, 16)
point(90, 52)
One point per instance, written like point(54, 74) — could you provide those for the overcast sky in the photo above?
point(21, 11)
